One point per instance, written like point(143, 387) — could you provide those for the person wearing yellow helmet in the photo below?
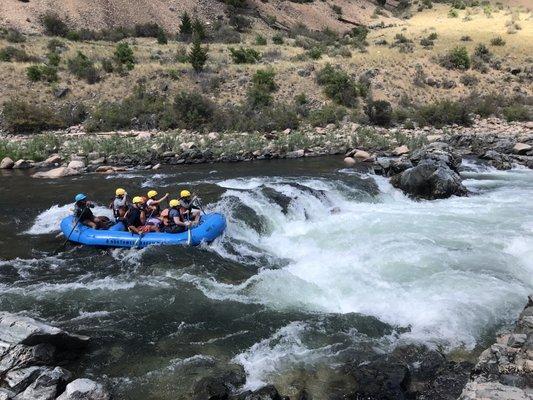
point(153, 205)
point(187, 204)
point(177, 218)
point(119, 205)
point(135, 218)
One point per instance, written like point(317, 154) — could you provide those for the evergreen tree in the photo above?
point(186, 24)
point(198, 29)
point(197, 55)
point(161, 37)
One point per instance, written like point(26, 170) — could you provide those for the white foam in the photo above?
point(48, 221)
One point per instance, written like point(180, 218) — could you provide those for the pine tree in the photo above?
point(186, 24)
point(197, 55)
point(198, 29)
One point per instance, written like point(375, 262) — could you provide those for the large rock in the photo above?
point(19, 379)
point(55, 173)
point(47, 386)
point(53, 159)
point(22, 164)
point(437, 151)
point(430, 179)
point(268, 392)
point(84, 389)
point(522, 148)
point(400, 150)
point(16, 329)
point(492, 391)
point(349, 161)
point(76, 164)
point(7, 163)
point(362, 155)
point(21, 356)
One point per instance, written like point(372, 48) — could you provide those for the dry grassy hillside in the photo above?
point(396, 59)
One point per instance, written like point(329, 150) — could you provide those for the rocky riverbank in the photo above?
point(32, 359)
point(504, 371)
point(73, 151)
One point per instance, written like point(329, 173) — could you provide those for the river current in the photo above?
point(319, 265)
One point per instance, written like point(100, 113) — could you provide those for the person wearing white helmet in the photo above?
point(153, 205)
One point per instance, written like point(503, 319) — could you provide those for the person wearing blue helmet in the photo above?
point(82, 211)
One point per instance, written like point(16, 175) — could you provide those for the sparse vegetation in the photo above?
point(83, 68)
point(497, 41)
point(244, 55)
point(198, 55)
point(457, 58)
point(379, 112)
point(517, 112)
point(442, 113)
point(10, 53)
point(23, 117)
point(43, 72)
point(124, 56)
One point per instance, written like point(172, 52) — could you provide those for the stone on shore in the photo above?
point(7, 163)
point(84, 389)
point(53, 159)
point(76, 164)
point(55, 173)
point(22, 164)
point(296, 154)
point(492, 391)
point(47, 385)
point(522, 148)
point(400, 150)
point(16, 329)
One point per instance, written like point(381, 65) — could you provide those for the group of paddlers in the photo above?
point(143, 214)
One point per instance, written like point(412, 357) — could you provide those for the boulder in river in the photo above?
point(22, 164)
point(522, 148)
point(53, 159)
point(430, 180)
point(47, 386)
point(55, 173)
point(76, 164)
point(434, 174)
point(349, 161)
point(7, 163)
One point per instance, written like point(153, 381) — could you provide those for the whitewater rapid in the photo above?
point(443, 273)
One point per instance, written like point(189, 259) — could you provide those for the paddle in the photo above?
point(189, 238)
point(138, 241)
point(198, 203)
point(72, 230)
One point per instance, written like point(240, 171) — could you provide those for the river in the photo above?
point(291, 291)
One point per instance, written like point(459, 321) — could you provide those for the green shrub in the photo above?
point(10, 53)
point(469, 80)
point(315, 53)
point(466, 38)
point(457, 58)
point(14, 36)
point(497, 41)
point(517, 112)
point(198, 55)
point(42, 72)
point(53, 58)
point(244, 55)
point(260, 40)
point(433, 36)
point(54, 25)
point(328, 114)
point(379, 112)
point(338, 86)
point(73, 36)
point(149, 29)
point(56, 45)
point(83, 67)
point(124, 55)
point(263, 84)
point(336, 9)
point(244, 118)
point(277, 39)
point(483, 52)
point(426, 42)
point(359, 33)
point(191, 110)
point(442, 113)
point(23, 117)
point(453, 13)
point(162, 37)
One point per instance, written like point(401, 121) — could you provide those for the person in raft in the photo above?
point(119, 205)
point(83, 213)
point(135, 218)
point(153, 207)
point(176, 218)
point(187, 204)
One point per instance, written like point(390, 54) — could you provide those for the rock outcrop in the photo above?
point(434, 174)
point(29, 353)
point(505, 369)
point(55, 173)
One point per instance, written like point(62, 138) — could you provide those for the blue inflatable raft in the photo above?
point(210, 227)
